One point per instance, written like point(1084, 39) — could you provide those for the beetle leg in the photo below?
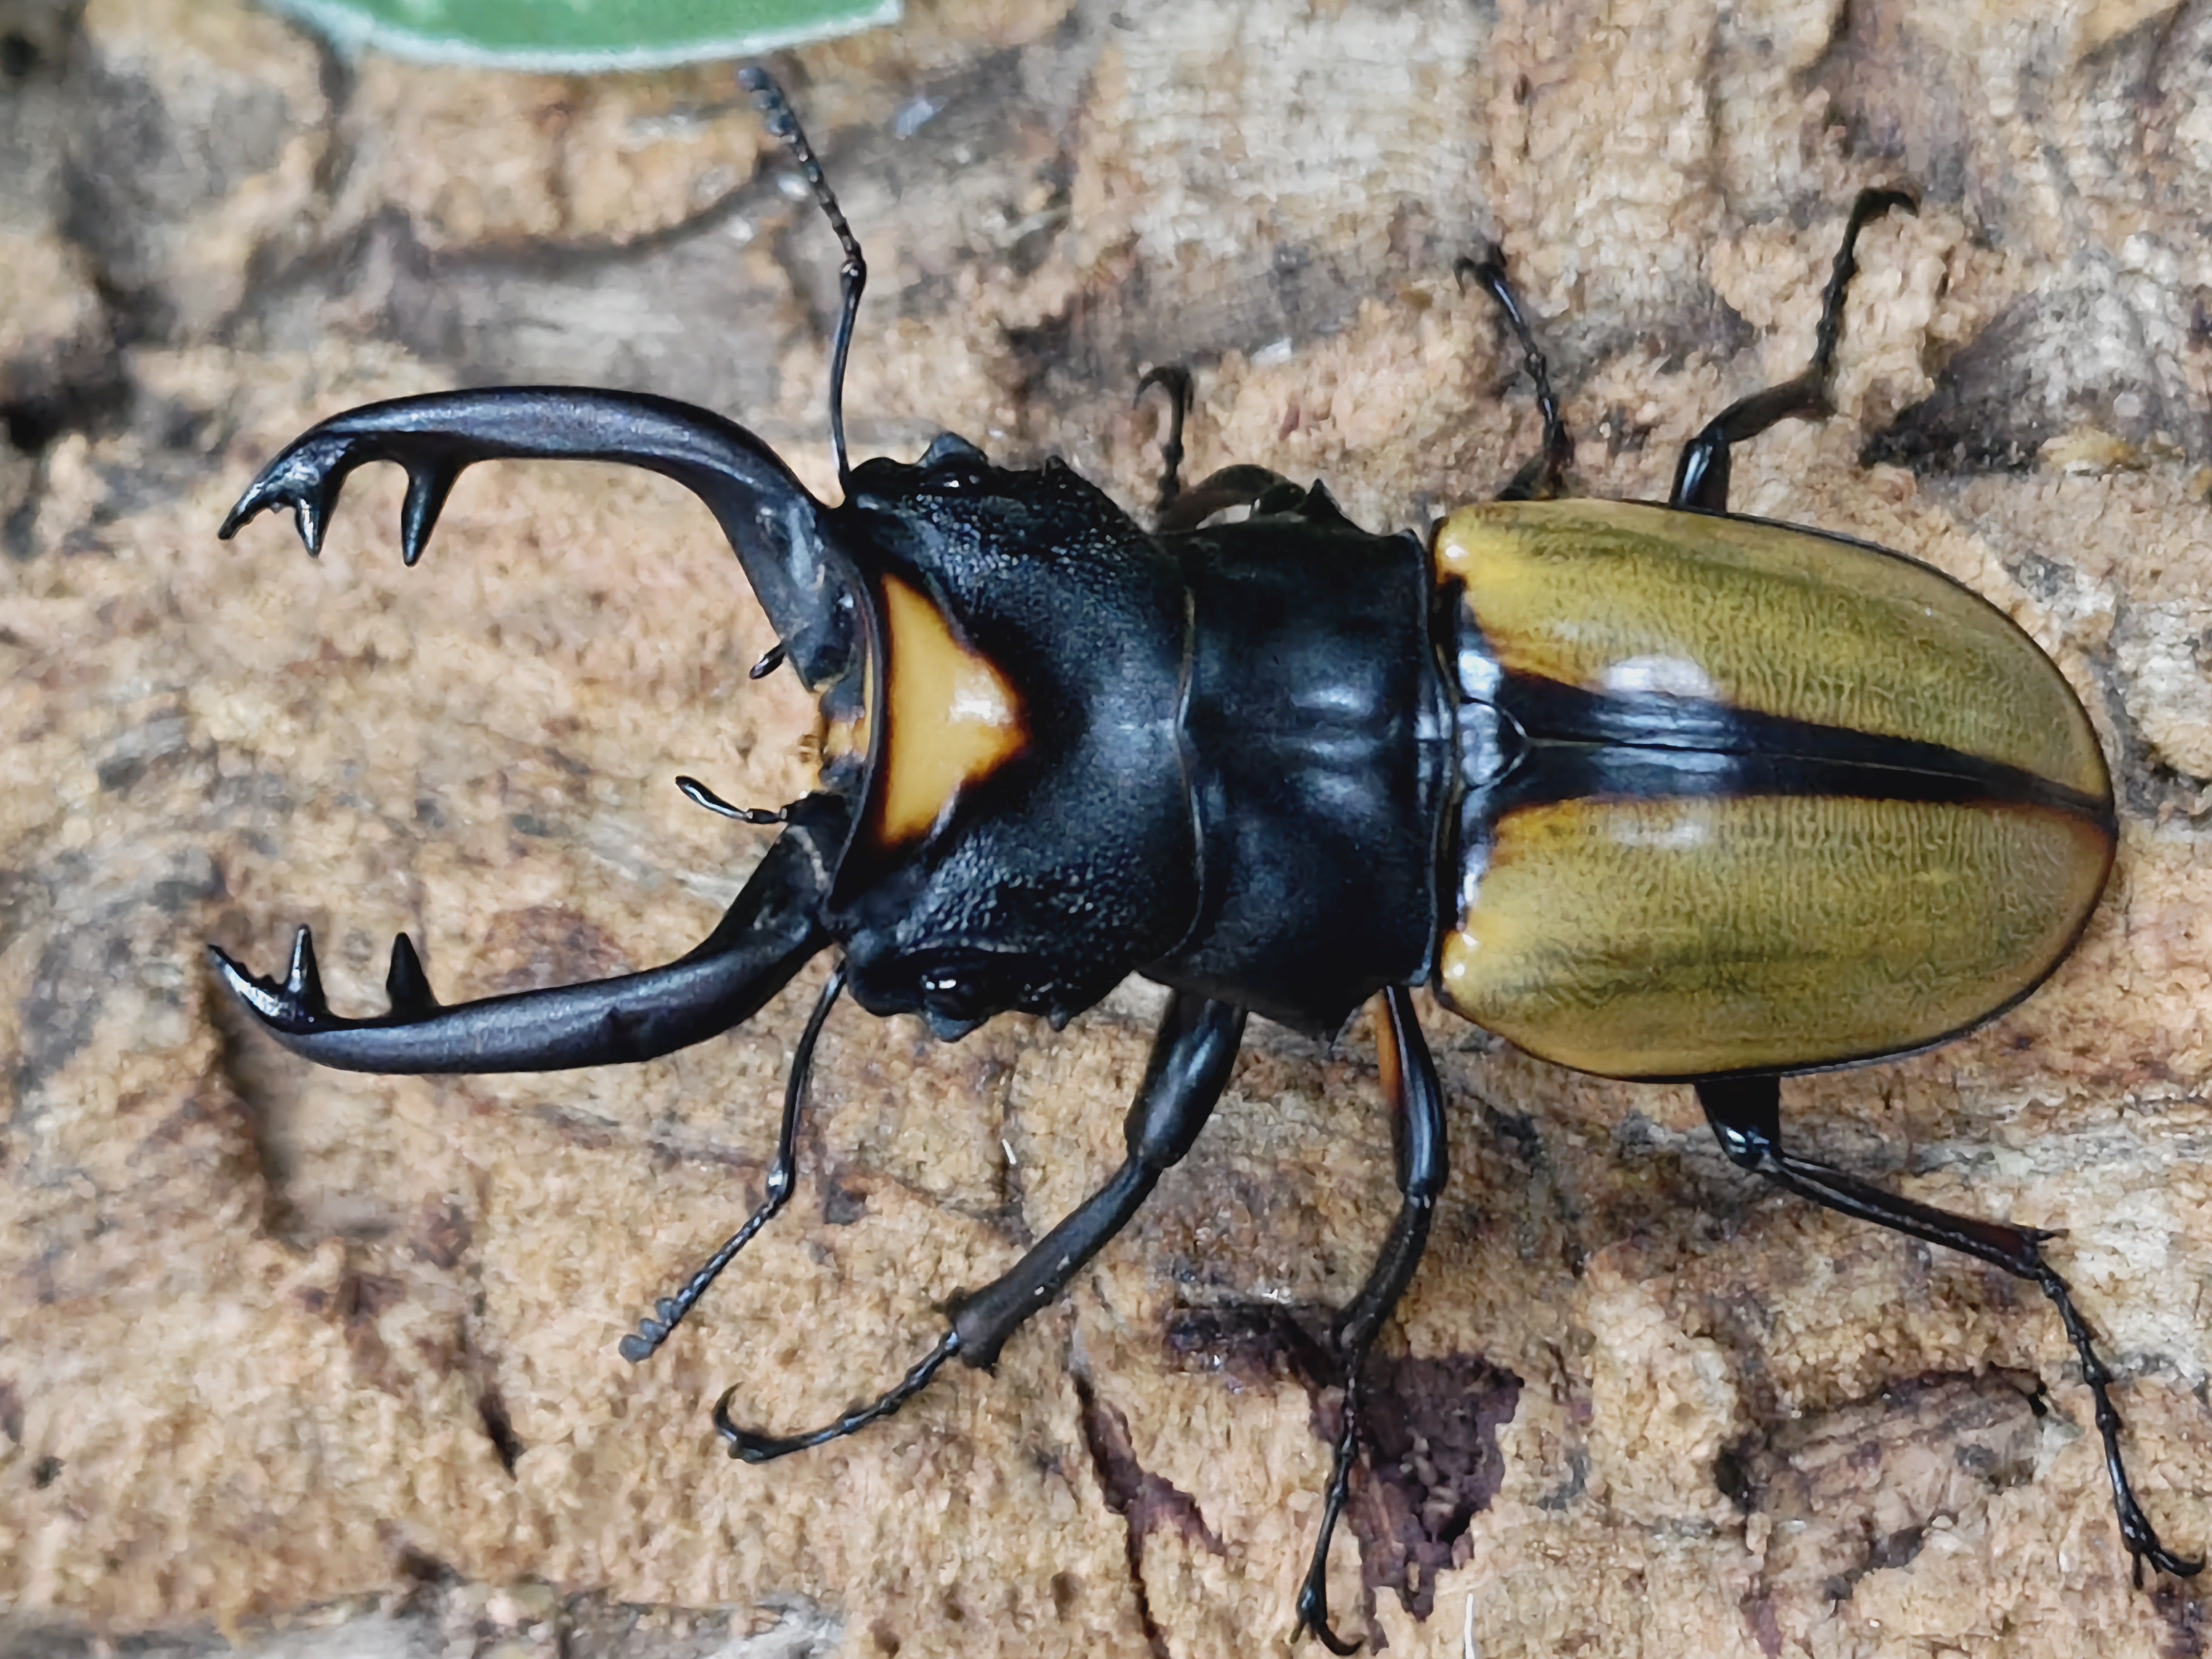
point(1189, 1067)
point(668, 1313)
point(768, 931)
point(1541, 478)
point(1746, 1114)
point(1219, 492)
point(852, 276)
point(1416, 1124)
point(1174, 380)
point(1701, 477)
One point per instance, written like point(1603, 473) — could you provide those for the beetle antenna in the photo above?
point(853, 276)
point(668, 1313)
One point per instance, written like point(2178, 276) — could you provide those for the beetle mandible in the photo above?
point(1654, 791)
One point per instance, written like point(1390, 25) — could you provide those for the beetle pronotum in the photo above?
point(1653, 791)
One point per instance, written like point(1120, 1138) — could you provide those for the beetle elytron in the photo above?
point(1654, 791)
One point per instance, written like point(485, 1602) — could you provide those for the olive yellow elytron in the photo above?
point(1826, 804)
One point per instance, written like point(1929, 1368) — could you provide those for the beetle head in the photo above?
point(1024, 835)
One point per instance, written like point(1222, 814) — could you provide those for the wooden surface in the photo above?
point(325, 1364)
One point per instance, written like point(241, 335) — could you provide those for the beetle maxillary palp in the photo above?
point(700, 795)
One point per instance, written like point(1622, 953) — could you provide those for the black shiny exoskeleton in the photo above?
point(1586, 767)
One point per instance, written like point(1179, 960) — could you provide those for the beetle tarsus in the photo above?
point(1745, 1114)
point(1870, 205)
point(752, 1446)
point(669, 1312)
point(2136, 1529)
point(1175, 379)
point(1544, 476)
point(1313, 1594)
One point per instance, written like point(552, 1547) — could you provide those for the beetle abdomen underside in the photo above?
point(1752, 799)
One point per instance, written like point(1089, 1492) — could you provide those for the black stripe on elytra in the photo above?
point(1575, 743)
point(1551, 773)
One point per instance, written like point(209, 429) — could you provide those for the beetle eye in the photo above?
point(956, 999)
point(945, 989)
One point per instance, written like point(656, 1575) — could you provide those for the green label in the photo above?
point(582, 35)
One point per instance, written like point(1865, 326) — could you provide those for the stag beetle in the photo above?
point(1654, 791)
